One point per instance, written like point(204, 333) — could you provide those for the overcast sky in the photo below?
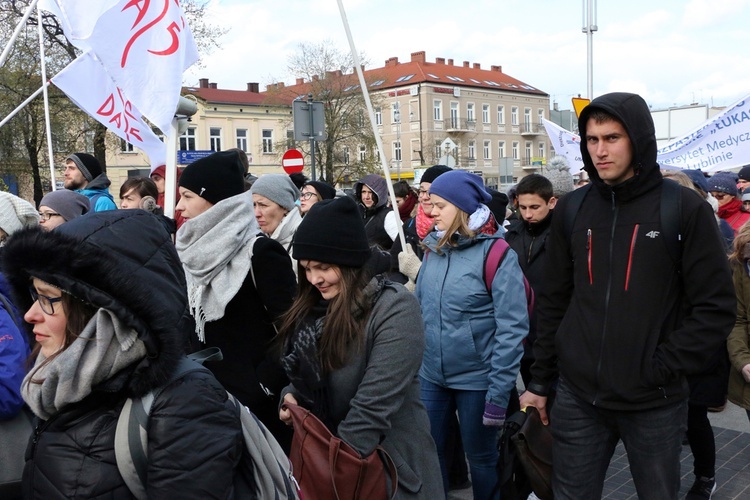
point(672, 52)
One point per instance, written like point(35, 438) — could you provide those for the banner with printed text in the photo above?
point(86, 82)
point(565, 143)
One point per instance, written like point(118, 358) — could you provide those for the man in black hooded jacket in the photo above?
point(622, 321)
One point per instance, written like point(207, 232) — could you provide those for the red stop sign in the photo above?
point(292, 161)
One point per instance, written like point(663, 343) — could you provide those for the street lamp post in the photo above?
point(397, 119)
point(589, 26)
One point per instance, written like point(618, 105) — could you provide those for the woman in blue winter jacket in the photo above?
point(474, 330)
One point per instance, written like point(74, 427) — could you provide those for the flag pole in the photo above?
point(17, 31)
point(170, 170)
point(23, 105)
point(48, 128)
point(371, 114)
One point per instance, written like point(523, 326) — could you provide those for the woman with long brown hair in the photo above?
point(352, 346)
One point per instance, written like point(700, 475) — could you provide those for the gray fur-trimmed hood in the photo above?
point(120, 260)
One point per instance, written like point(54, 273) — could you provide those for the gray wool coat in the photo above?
point(375, 398)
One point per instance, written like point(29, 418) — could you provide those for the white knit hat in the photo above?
point(16, 213)
point(558, 172)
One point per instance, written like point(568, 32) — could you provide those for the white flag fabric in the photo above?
point(86, 82)
point(720, 143)
point(77, 17)
point(145, 45)
point(565, 143)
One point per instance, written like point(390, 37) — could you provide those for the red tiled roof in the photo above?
point(221, 96)
point(395, 74)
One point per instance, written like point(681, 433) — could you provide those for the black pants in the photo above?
point(701, 438)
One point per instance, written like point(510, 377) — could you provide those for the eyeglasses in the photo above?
point(307, 196)
point(423, 192)
point(47, 216)
point(46, 303)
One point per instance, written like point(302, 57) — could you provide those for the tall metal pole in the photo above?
point(312, 137)
point(398, 139)
point(589, 27)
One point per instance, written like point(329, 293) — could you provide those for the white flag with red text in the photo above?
point(86, 82)
point(145, 45)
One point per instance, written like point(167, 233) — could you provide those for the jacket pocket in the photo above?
point(407, 478)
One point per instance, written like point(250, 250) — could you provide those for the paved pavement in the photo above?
point(732, 433)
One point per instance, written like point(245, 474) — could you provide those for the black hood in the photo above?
point(633, 112)
point(120, 260)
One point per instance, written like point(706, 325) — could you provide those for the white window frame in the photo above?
point(126, 147)
point(516, 150)
point(500, 114)
point(378, 116)
point(267, 140)
point(485, 113)
point(486, 148)
point(514, 115)
point(470, 112)
point(529, 150)
point(472, 150)
point(241, 139)
point(362, 152)
point(214, 138)
point(397, 150)
point(437, 109)
point(542, 149)
point(501, 149)
point(187, 140)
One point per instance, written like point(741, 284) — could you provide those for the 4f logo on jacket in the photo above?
point(652, 234)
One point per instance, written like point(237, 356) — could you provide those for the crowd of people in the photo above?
point(639, 324)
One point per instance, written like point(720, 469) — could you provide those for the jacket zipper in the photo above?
point(589, 251)
point(630, 255)
point(607, 294)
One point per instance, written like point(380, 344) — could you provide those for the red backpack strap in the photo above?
point(493, 260)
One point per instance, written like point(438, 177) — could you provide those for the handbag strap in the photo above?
point(333, 452)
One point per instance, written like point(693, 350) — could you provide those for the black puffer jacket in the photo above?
point(374, 217)
point(618, 318)
point(124, 261)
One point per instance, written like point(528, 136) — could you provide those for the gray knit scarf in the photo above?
point(105, 347)
point(215, 252)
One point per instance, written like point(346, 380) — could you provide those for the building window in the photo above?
point(438, 149)
point(214, 136)
point(346, 155)
point(528, 151)
point(437, 109)
point(527, 117)
point(378, 116)
point(540, 115)
point(126, 147)
point(485, 113)
point(395, 113)
point(290, 143)
point(470, 112)
point(472, 150)
point(397, 150)
point(514, 115)
point(501, 149)
point(501, 115)
point(242, 139)
point(187, 140)
point(541, 150)
point(454, 115)
point(487, 150)
point(362, 152)
point(515, 150)
point(267, 141)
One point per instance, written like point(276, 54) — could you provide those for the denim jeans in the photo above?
point(480, 441)
point(586, 437)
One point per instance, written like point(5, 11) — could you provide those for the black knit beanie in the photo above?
point(216, 177)
point(332, 232)
point(326, 191)
point(433, 173)
point(87, 164)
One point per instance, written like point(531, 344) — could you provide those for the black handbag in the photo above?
point(533, 443)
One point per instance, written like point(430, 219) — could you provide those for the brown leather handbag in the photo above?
point(327, 468)
point(533, 443)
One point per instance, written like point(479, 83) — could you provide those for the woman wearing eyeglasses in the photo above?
point(313, 192)
point(110, 321)
point(61, 206)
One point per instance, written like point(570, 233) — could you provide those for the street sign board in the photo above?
point(292, 161)
point(579, 103)
point(447, 144)
point(186, 157)
point(305, 128)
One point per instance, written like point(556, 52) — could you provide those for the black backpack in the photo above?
point(512, 480)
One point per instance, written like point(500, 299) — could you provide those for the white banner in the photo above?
point(87, 83)
point(145, 45)
point(721, 143)
point(565, 143)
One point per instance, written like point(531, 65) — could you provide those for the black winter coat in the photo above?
point(250, 369)
point(619, 319)
point(195, 438)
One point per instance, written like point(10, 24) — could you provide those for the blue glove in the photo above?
point(493, 415)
